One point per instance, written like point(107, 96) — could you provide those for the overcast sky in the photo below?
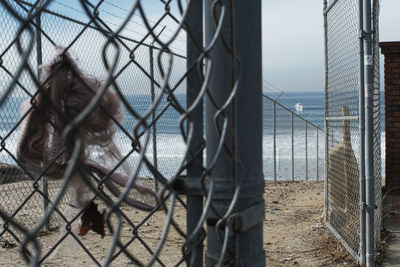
point(293, 36)
point(293, 54)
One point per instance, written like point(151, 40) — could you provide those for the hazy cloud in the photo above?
point(293, 41)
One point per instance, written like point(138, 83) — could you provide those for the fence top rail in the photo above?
point(297, 115)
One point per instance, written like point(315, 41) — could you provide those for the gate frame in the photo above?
point(366, 254)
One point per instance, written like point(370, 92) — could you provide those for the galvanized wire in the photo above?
point(342, 127)
point(344, 156)
point(144, 67)
point(26, 207)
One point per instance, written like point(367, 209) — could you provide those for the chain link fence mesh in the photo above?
point(86, 41)
point(343, 138)
point(342, 203)
point(142, 58)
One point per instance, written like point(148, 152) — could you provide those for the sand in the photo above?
point(294, 235)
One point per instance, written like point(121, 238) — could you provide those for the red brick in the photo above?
point(393, 150)
point(388, 92)
point(394, 165)
point(393, 140)
point(392, 87)
point(393, 98)
point(388, 134)
point(395, 144)
point(395, 92)
point(392, 76)
point(393, 168)
point(391, 156)
point(392, 182)
point(394, 70)
point(395, 81)
point(395, 134)
point(391, 51)
point(392, 108)
point(389, 44)
point(392, 65)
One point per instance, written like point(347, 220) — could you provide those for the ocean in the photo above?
point(170, 147)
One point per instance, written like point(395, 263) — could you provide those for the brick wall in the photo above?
point(391, 51)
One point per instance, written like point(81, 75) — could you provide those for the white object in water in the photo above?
point(298, 107)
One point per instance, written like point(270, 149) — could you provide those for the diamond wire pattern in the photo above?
point(133, 81)
point(67, 35)
point(343, 137)
point(127, 82)
point(9, 135)
point(342, 89)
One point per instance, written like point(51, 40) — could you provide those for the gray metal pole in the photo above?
point(194, 170)
point(317, 156)
point(326, 108)
point(241, 31)
point(292, 140)
point(153, 114)
point(38, 36)
point(306, 134)
point(274, 138)
point(369, 150)
point(362, 137)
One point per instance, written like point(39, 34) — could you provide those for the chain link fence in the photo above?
point(344, 137)
point(293, 146)
point(150, 59)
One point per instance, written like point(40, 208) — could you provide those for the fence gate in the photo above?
point(352, 104)
point(154, 65)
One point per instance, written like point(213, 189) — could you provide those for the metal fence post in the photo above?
point(362, 137)
point(38, 37)
point(306, 144)
point(292, 141)
point(194, 170)
point(317, 156)
point(326, 109)
point(153, 115)
point(369, 149)
point(241, 31)
point(274, 138)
